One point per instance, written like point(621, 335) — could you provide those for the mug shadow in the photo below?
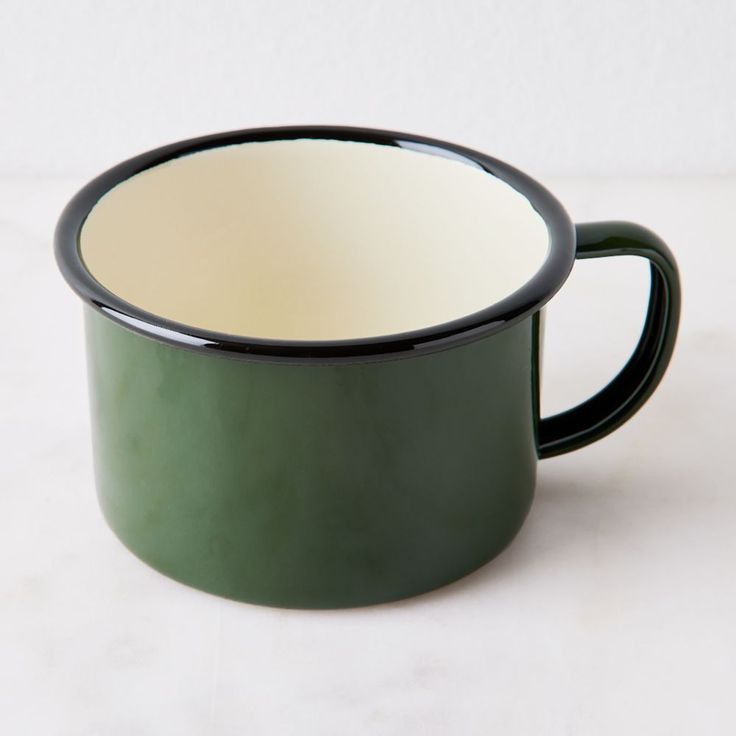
point(564, 511)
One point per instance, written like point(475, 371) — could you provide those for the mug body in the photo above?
point(370, 449)
point(313, 485)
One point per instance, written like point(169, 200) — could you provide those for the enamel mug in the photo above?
point(314, 357)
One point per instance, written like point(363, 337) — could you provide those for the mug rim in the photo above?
point(529, 298)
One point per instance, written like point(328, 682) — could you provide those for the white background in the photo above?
point(555, 86)
point(614, 610)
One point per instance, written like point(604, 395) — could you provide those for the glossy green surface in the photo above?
point(313, 485)
point(626, 393)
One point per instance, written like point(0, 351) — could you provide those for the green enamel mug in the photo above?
point(313, 357)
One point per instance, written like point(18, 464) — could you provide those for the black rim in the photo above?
point(522, 303)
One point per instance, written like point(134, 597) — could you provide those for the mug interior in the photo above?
point(313, 239)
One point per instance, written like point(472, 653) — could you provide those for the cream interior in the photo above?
point(313, 239)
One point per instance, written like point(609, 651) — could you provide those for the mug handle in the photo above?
point(627, 392)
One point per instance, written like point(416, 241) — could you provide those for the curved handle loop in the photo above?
point(622, 397)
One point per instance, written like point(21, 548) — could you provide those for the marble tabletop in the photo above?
point(614, 611)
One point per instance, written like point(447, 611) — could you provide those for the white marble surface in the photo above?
point(614, 612)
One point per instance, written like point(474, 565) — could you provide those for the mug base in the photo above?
point(338, 600)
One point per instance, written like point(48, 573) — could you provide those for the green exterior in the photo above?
point(310, 474)
point(313, 486)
